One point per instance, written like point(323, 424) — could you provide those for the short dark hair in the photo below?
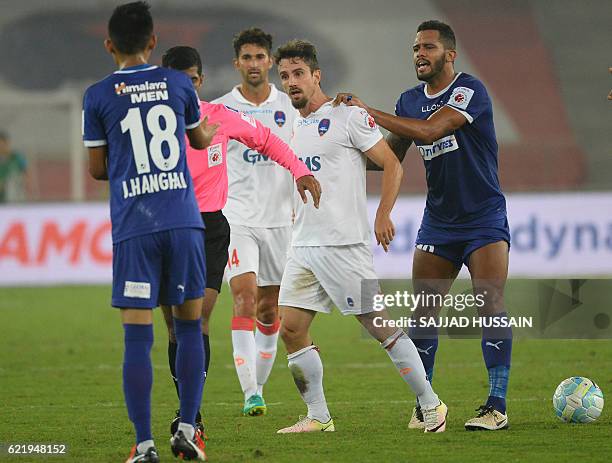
point(182, 57)
point(130, 27)
point(254, 36)
point(302, 49)
point(4, 135)
point(447, 36)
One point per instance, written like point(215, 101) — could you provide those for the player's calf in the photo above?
point(403, 354)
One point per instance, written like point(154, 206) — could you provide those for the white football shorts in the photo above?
point(320, 277)
point(262, 251)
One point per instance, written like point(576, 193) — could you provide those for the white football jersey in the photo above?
point(331, 142)
point(260, 191)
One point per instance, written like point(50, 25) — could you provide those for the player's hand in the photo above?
point(209, 130)
point(384, 230)
point(308, 182)
point(349, 99)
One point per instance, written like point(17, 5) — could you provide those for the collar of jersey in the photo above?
point(441, 92)
point(324, 107)
point(241, 99)
point(137, 68)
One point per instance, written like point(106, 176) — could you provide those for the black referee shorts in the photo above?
point(216, 243)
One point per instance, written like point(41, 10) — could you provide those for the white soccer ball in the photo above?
point(578, 400)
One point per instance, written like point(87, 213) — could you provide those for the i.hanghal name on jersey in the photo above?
point(153, 183)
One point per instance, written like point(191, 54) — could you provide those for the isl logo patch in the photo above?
point(280, 118)
point(323, 126)
point(215, 155)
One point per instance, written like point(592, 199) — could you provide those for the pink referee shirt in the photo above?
point(208, 167)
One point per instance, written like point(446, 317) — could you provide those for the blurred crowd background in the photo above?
point(544, 62)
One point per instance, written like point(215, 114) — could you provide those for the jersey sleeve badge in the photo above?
point(369, 120)
point(215, 155)
point(460, 98)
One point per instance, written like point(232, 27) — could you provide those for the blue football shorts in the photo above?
point(457, 244)
point(166, 267)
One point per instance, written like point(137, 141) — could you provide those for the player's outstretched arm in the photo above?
point(201, 136)
point(443, 122)
point(382, 156)
point(98, 157)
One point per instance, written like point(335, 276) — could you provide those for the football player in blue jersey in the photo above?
point(134, 126)
point(449, 117)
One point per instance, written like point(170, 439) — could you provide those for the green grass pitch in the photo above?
point(60, 382)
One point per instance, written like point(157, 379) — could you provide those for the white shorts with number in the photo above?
point(319, 277)
point(262, 251)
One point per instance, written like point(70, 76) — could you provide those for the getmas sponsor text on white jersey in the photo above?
point(331, 142)
point(260, 191)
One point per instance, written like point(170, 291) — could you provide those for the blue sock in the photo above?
point(497, 353)
point(426, 341)
point(172, 363)
point(138, 377)
point(206, 342)
point(189, 366)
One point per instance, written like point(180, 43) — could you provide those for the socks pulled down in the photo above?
point(425, 340)
point(189, 367)
point(307, 370)
point(266, 340)
point(245, 350)
point(404, 355)
point(138, 378)
point(497, 353)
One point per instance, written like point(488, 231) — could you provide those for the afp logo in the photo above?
point(280, 118)
point(252, 156)
point(324, 126)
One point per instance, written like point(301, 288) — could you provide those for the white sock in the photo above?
point(307, 371)
point(187, 429)
point(266, 338)
point(243, 341)
point(145, 445)
point(405, 357)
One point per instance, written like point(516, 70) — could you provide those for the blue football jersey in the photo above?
point(141, 114)
point(462, 183)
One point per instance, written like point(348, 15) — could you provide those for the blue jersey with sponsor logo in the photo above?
point(462, 184)
point(141, 113)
